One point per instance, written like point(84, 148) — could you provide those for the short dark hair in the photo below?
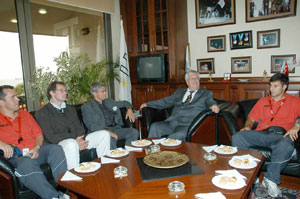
point(2, 88)
point(284, 79)
point(52, 87)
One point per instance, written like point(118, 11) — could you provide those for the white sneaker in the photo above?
point(273, 190)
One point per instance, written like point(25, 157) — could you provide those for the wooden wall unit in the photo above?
point(234, 90)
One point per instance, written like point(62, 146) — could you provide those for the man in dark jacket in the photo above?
point(60, 125)
point(102, 113)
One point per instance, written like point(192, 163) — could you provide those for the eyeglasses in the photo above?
point(194, 78)
point(63, 91)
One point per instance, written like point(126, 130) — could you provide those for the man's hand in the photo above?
point(112, 134)
point(7, 149)
point(246, 128)
point(130, 115)
point(143, 105)
point(215, 108)
point(83, 144)
point(293, 133)
point(33, 153)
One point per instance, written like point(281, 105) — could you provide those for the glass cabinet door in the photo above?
point(142, 26)
point(161, 25)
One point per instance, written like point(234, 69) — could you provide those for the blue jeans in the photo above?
point(282, 149)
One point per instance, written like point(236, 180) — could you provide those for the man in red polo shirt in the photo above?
point(276, 130)
point(19, 130)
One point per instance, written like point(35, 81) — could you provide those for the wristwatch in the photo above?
point(38, 146)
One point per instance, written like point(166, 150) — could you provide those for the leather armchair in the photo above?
point(234, 119)
point(204, 122)
point(15, 189)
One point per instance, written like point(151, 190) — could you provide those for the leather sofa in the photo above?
point(233, 119)
point(15, 189)
point(203, 129)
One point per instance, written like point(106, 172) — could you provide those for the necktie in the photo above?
point(189, 98)
point(61, 111)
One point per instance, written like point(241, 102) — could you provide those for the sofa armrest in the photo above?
point(151, 115)
point(8, 168)
point(127, 122)
point(197, 121)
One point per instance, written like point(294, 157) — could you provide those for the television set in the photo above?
point(152, 68)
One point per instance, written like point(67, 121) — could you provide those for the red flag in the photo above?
point(285, 69)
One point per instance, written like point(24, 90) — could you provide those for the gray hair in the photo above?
point(96, 86)
point(186, 76)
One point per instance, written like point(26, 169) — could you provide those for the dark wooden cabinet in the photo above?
point(234, 91)
point(155, 27)
point(142, 93)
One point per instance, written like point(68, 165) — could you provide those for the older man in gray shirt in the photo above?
point(187, 103)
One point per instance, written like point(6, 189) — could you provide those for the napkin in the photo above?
point(209, 149)
point(157, 141)
point(247, 156)
point(70, 177)
point(214, 195)
point(105, 160)
point(129, 148)
point(230, 172)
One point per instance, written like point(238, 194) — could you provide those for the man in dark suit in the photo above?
point(102, 113)
point(187, 103)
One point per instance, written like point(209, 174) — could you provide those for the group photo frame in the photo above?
point(216, 43)
point(214, 13)
point(240, 40)
point(241, 65)
point(264, 10)
point(277, 61)
point(268, 39)
point(206, 66)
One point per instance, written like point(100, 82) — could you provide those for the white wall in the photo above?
point(261, 58)
point(115, 28)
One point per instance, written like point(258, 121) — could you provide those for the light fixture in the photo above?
point(13, 20)
point(42, 11)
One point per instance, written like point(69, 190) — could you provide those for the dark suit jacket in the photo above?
point(93, 115)
point(57, 127)
point(184, 113)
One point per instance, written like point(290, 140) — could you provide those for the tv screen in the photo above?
point(152, 68)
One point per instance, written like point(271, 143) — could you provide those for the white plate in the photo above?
point(137, 144)
point(252, 163)
point(243, 80)
point(97, 166)
point(234, 150)
point(178, 142)
point(240, 183)
point(117, 156)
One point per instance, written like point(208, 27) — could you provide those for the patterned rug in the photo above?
point(259, 192)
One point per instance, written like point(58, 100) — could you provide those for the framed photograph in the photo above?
point(239, 40)
point(206, 65)
point(277, 61)
point(241, 65)
point(216, 43)
point(227, 76)
point(268, 38)
point(257, 10)
point(214, 13)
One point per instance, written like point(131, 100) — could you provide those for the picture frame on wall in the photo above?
point(277, 61)
point(216, 43)
point(240, 40)
point(214, 13)
point(241, 65)
point(205, 66)
point(264, 10)
point(268, 39)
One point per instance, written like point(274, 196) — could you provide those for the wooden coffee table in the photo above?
point(102, 184)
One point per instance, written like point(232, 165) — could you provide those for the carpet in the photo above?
point(259, 192)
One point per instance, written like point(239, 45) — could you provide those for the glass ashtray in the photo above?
point(210, 156)
point(152, 149)
point(120, 171)
point(176, 186)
